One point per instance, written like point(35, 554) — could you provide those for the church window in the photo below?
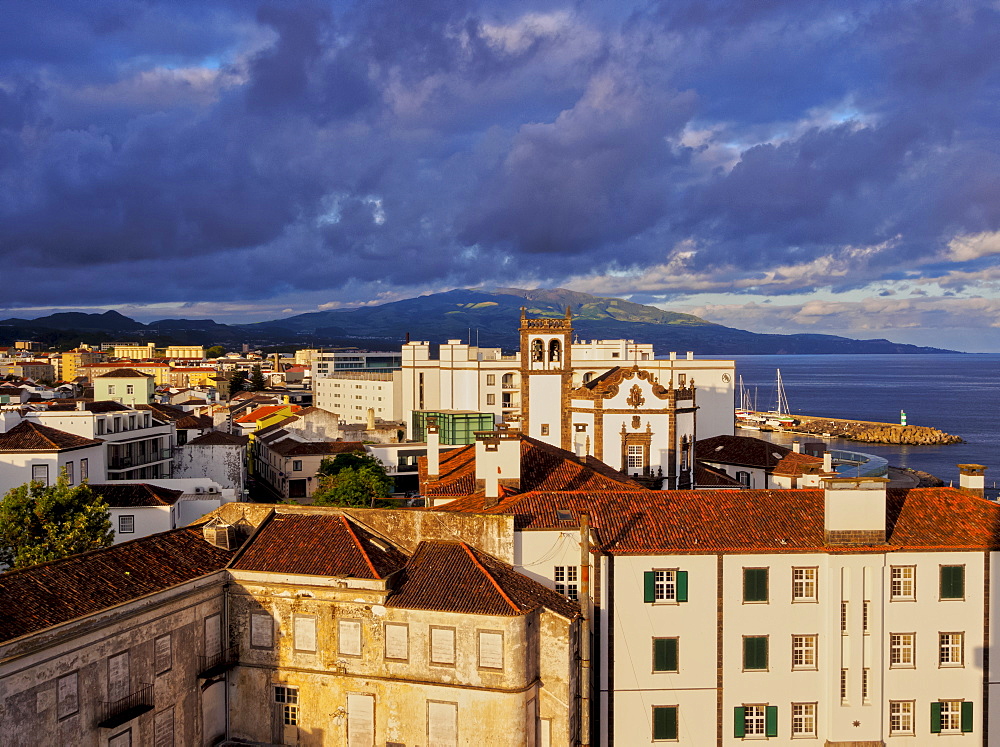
point(555, 350)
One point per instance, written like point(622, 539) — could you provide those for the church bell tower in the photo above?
point(546, 378)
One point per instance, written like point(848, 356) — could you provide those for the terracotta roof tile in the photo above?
point(218, 438)
point(124, 373)
point(707, 476)
point(454, 577)
point(742, 450)
point(748, 521)
point(291, 447)
point(61, 590)
point(265, 411)
point(31, 436)
point(123, 495)
point(792, 464)
point(319, 545)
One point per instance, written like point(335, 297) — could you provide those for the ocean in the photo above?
point(958, 394)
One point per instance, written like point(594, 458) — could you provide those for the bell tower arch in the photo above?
point(546, 378)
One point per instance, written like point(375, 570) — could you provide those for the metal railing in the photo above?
point(156, 455)
point(219, 662)
point(116, 712)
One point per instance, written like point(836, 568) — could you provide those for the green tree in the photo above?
point(257, 382)
point(237, 382)
point(216, 351)
point(40, 523)
point(356, 479)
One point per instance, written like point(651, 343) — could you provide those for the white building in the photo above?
point(30, 452)
point(358, 396)
point(845, 614)
point(465, 377)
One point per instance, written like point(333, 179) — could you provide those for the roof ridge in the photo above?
point(364, 554)
point(488, 575)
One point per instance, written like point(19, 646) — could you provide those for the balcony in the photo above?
point(511, 386)
point(217, 663)
point(151, 457)
point(117, 712)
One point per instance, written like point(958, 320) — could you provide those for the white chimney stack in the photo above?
point(797, 446)
point(854, 510)
point(827, 461)
point(498, 461)
point(972, 478)
point(433, 451)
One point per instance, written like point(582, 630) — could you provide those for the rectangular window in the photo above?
point(442, 724)
point(545, 429)
point(803, 652)
point(84, 470)
point(163, 658)
point(901, 650)
point(122, 739)
point(129, 389)
point(566, 581)
point(864, 617)
point(902, 587)
point(635, 456)
point(490, 649)
point(100, 427)
point(69, 473)
point(40, 473)
point(665, 655)
point(756, 721)
point(118, 677)
point(755, 584)
point(491, 379)
point(397, 641)
point(664, 723)
point(804, 584)
point(442, 645)
point(951, 717)
point(296, 465)
point(665, 586)
point(213, 635)
point(864, 685)
point(126, 524)
point(131, 422)
point(163, 728)
point(349, 637)
point(843, 617)
point(901, 718)
point(951, 649)
point(491, 399)
point(304, 627)
point(360, 720)
point(953, 582)
point(111, 388)
point(755, 653)
point(67, 695)
point(288, 700)
point(261, 631)
point(803, 719)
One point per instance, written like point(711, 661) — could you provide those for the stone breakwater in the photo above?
point(873, 433)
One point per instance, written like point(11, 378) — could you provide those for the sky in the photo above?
point(775, 165)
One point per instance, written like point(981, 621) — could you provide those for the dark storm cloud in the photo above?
point(235, 150)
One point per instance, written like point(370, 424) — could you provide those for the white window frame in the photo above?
point(901, 718)
point(288, 697)
point(804, 584)
point(901, 650)
point(804, 654)
point(665, 586)
point(803, 720)
point(755, 720)
point(567, 581)
point(634, 454)
point(902, 583)
point(951, 716)
point(951, 650)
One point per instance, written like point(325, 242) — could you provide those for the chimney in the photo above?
point(690, 355)
point(433, 451)
point(498, 462)
point(854, 510)
point(972, 478)
point(673, 355)
point(8, 419)
point(81, 405)
point(371, 419)
point(827, 461)
point(797, 446)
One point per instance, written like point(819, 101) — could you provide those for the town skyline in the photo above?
point(774, 167)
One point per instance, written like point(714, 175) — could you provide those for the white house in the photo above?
point(30, 451)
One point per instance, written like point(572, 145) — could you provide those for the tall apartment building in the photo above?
point(357, 396)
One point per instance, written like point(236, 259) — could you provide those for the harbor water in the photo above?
point(958, 394)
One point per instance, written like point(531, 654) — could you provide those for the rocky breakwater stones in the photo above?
point(876, 433)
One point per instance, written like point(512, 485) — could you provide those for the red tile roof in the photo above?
point(124, 373)
point(265, 411)
point(706, 476)
point(291, 447)
point(454, 577)
point(31, 436)
point(123, 495)
point(218, 438)
point(749, 521)
point(319, 545)
point(741, 450)
point(543, 467)
point(793, 464)
point(36, 598)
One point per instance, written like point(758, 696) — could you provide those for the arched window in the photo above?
point(508, 381)
point(537, 351)
point(555, 349)
point(587, 377)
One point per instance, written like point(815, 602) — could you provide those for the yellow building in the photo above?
point(73, 359)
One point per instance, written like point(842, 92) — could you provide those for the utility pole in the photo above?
point(585, 671)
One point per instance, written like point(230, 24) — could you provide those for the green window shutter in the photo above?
point(682, 586)
point(952, 582)
point(739, 722)
point(967, 716)
point(935, 718)
point(755, 652)
point(664, 654)
point(755, 584)
point(664, 722)
point(771, 721)
point(649, 586)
